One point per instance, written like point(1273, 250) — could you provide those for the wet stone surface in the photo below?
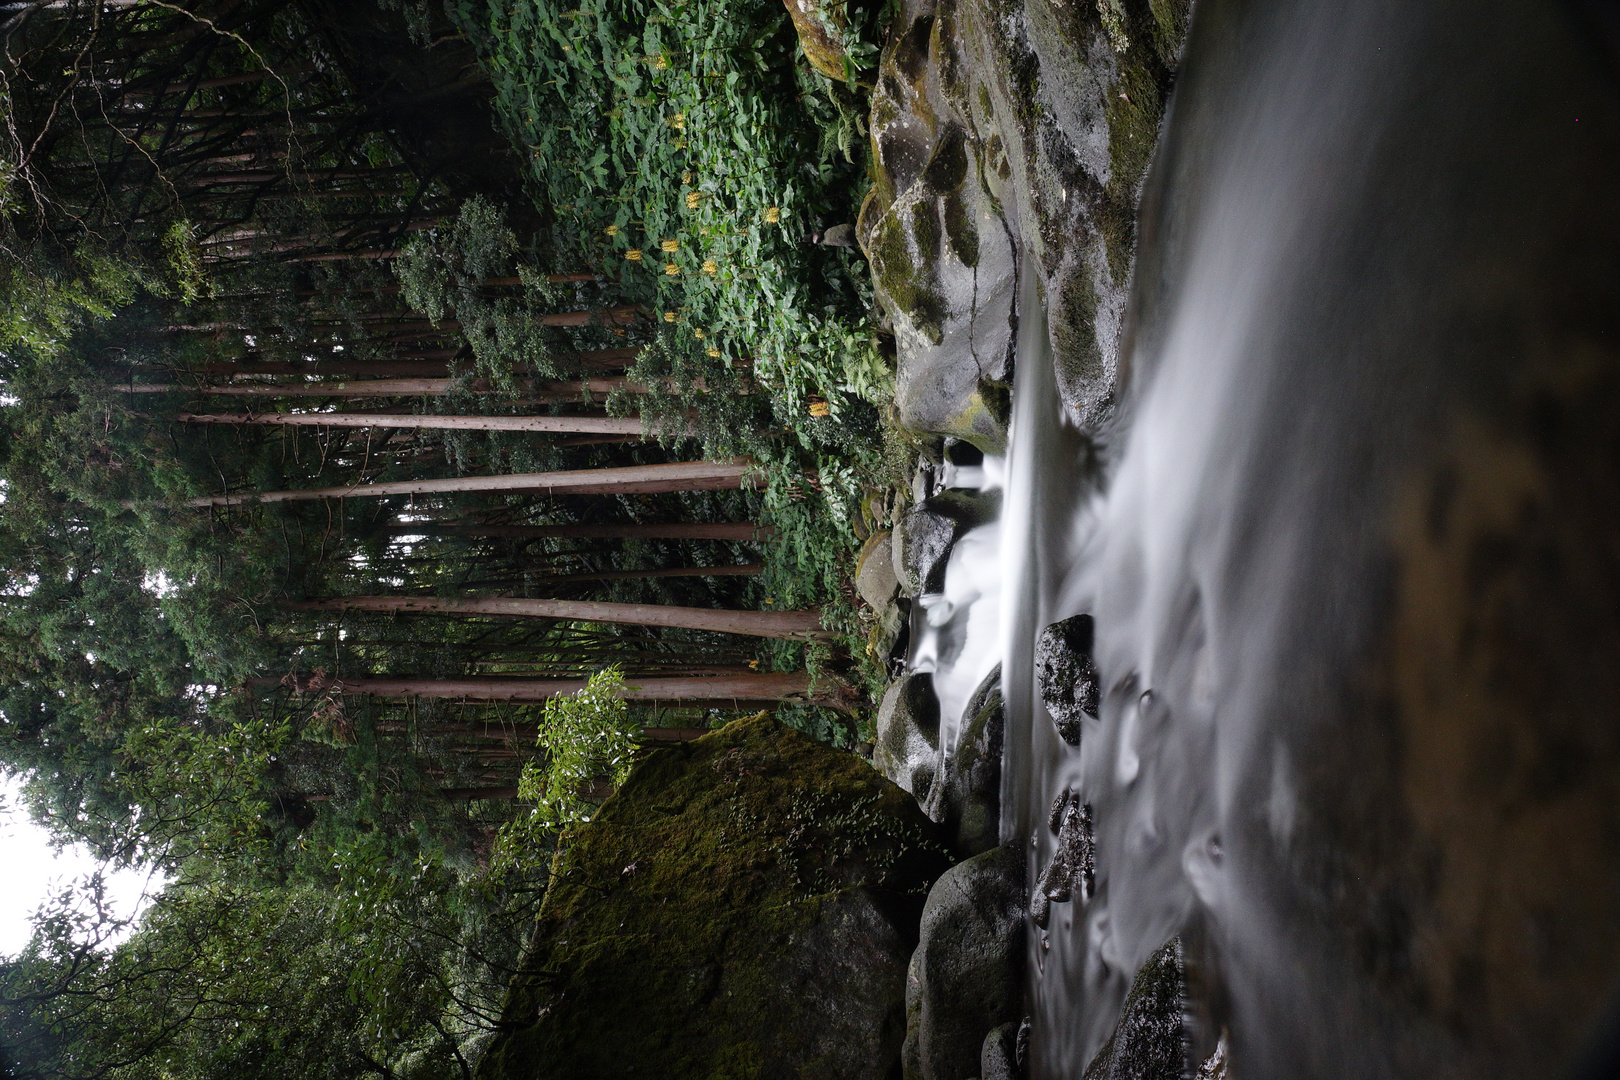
point(1150, 1041)
point(1068, 677)
point(1072, 871)
point(966, 795)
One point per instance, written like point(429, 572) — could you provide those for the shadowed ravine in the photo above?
point(1349, 541)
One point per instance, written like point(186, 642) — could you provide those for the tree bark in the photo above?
point(675, 530)
point(627, 480)
point(765, 687)
point(560, 391)
point(795, 625)
point(574, 425)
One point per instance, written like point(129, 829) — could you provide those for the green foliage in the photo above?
point(44, 301)
point(444, 274)
point(584, 737)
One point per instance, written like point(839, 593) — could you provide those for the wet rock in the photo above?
point(822, 25)
point(998, 129)
point(874, 571)
point(1067, 675)
point(703, 924)
point(969, 965)
point(924, 535)
point(837, 236)
point(998, 1057)
point(890, 634)
point(1150, 1040)
point(966, 795)
point(907, 746)
point(1073, 869)
point(1214, 1066)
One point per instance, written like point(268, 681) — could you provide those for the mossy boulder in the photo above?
point(822, 26)
point(744, 906)
point(1002, 129)
point(1150, 1041)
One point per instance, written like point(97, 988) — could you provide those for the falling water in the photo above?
point(1349, 551)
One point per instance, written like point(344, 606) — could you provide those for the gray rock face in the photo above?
point(966, 795)
point(907, 747)
point(874, 571)
point(924, 536)
point(1067, 676)
point(1072, 871)
point(1001, 128)
point(968, 967)
point(998, 1058)
point(1150, 1040)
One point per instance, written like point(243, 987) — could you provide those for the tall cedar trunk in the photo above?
point(675, 530)
point(542, 390)
point(575, 425)
point(740, 689)
point(626, 480)
point(799, 625)
point(400, 368)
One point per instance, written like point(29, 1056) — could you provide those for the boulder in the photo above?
point(907, 745)
point(924, 535)
point(997, 134)
point(1150, 1041)
point(998, 1057)
point(874, 571)
point(1067, 675)
point(969, 965)
point(966, 795)
point(745, 905)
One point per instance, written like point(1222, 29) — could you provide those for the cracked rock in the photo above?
point(1067, 675)
point(1074, 861)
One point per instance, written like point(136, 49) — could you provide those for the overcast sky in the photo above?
point(33, 868)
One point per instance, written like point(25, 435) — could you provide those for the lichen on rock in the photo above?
point(744, 906)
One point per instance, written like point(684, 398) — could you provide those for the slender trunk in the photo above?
point(626, 480)
point(733, 570)
point(591, 425)
point(558, 391)
point(674, 530)
point(766, 687)
point(797, 625)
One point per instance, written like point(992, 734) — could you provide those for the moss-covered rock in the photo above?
point(744, 906)
point(1001, 128)
point(822, 26)
point(1150, 1040)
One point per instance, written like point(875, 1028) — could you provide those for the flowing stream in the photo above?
point(1373, 234)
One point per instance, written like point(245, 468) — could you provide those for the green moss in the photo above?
point(960, 230)
point(668, 941)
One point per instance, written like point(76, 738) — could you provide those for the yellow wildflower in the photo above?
point(714, 353)
point(820, 408)
point(671, 269)
point(634, 254)
point(670, 316)
point(612, 230)
point(692, 200)
point(686, 178)
point(660, 62)
point(669, 245)
point(754, 664)
point(710, 266)
point(678, 121)
point(698, 332)
point(773, 214)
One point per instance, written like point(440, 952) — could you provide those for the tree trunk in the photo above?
point(676, 530)
point(558, 391)
point(626, 480)
point(796, 625)
point(574, 425)
point(752, 689)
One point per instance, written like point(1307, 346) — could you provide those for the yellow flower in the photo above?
point(710, 266)
point(714, 353)
point(634, 254)
point(754, 664)
point(670, 316)
point(612, 230)
point(660, 62)
point(692, 200)
point(671, 269)
point(669, 245)
point(773, 214)
point(686, 178)
point(820, 408)
point(678, 121)
point(698, 332)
